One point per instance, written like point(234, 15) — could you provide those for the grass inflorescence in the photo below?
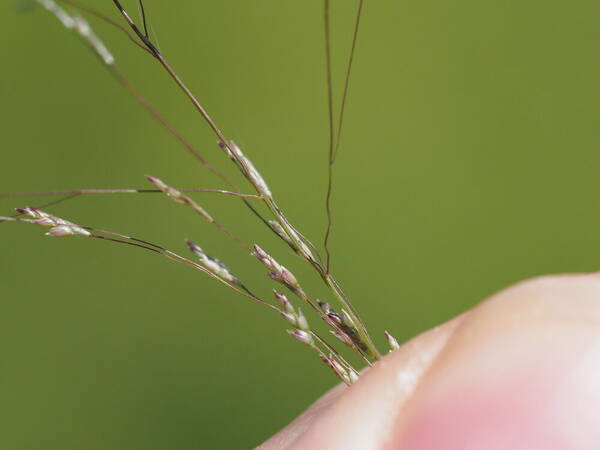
point(346, 327)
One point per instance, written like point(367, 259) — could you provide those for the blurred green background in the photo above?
point(469, 162)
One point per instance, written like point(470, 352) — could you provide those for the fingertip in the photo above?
point(520, 372)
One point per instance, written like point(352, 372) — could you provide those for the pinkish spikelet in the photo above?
point(67, 230)
point(343, 337)
point(283, 300)
point(302, 337)
point(213, 265)
point(392, 342)
point(291, 318)
point(58, 227)
point(353, 375)
point(278, 272)
point(301, 321)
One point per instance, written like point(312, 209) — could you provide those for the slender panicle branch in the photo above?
point(212, 267)
point(179, 197)
point(62, 228)
point(75, 192)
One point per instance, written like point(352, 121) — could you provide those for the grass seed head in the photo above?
point(213, 265)
point(278, 272)
point(58, 227)
point(291, 318)
point(277, 228)
point(302, 323)
point(343, 337)
point(246, 167)
point(347, 320)
point(353, 376)
point(325, 307)
point(285, 303)
point(302, 337)
point(67, 230)
point(392, 342)
point(180, 197)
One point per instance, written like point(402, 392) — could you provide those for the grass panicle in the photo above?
point(346, 326)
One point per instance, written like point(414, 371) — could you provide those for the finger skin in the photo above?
point(519, 371)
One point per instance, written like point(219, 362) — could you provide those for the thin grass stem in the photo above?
point(75, 192)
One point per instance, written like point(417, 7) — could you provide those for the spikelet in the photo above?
point(179, 197)
point(213, 265)
point(278, 272)
point(58, 227)
point(392, 342)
